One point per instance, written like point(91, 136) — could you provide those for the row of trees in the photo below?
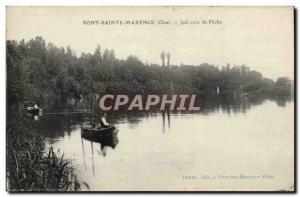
point(47, 74)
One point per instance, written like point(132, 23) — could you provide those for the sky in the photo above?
point(262, 38)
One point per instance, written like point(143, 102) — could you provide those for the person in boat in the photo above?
point(103, 122)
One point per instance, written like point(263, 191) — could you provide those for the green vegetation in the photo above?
point(48, 75)
point(29, 168)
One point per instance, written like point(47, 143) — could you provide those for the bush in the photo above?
point(30, 169)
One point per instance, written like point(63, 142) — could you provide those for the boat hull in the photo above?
point(97, 134)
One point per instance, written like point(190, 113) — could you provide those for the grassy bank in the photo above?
point(31, 168)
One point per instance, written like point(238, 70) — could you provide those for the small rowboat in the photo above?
point(34, 111)
point(96, 133)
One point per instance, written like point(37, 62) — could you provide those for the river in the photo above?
point(232, 146)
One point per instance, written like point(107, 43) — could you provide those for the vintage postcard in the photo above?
point(148, 99)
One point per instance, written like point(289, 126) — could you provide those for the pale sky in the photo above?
point(259, 37)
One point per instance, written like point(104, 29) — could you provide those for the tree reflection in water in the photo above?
point(104, 143)
point(63, 132)
point(55, 126)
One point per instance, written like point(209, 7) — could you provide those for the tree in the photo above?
point(51, 75)
point(106, 54)
point(168, 58)
point(97, 55)
point(162, 56)
point(283, 82)
point(112, 54)
point(18, 86)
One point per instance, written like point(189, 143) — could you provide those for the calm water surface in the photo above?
point(178, 151)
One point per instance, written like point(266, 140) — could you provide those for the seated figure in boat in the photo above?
point(103, 122)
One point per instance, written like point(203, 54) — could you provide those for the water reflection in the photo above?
point(94, 153)
point(283, 101)
point(164, 120)
point(83, 153)
point(157, 141)
point(53, 126)
point(92, 148)
point(107, 141)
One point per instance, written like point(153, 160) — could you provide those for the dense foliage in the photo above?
point(29, 168)
point(46, 74)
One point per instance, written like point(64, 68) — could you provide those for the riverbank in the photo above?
point(29, 167)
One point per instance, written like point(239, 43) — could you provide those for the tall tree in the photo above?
point(162, 56)
point(97, 55)
point(168, 59)
point(106, 54)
